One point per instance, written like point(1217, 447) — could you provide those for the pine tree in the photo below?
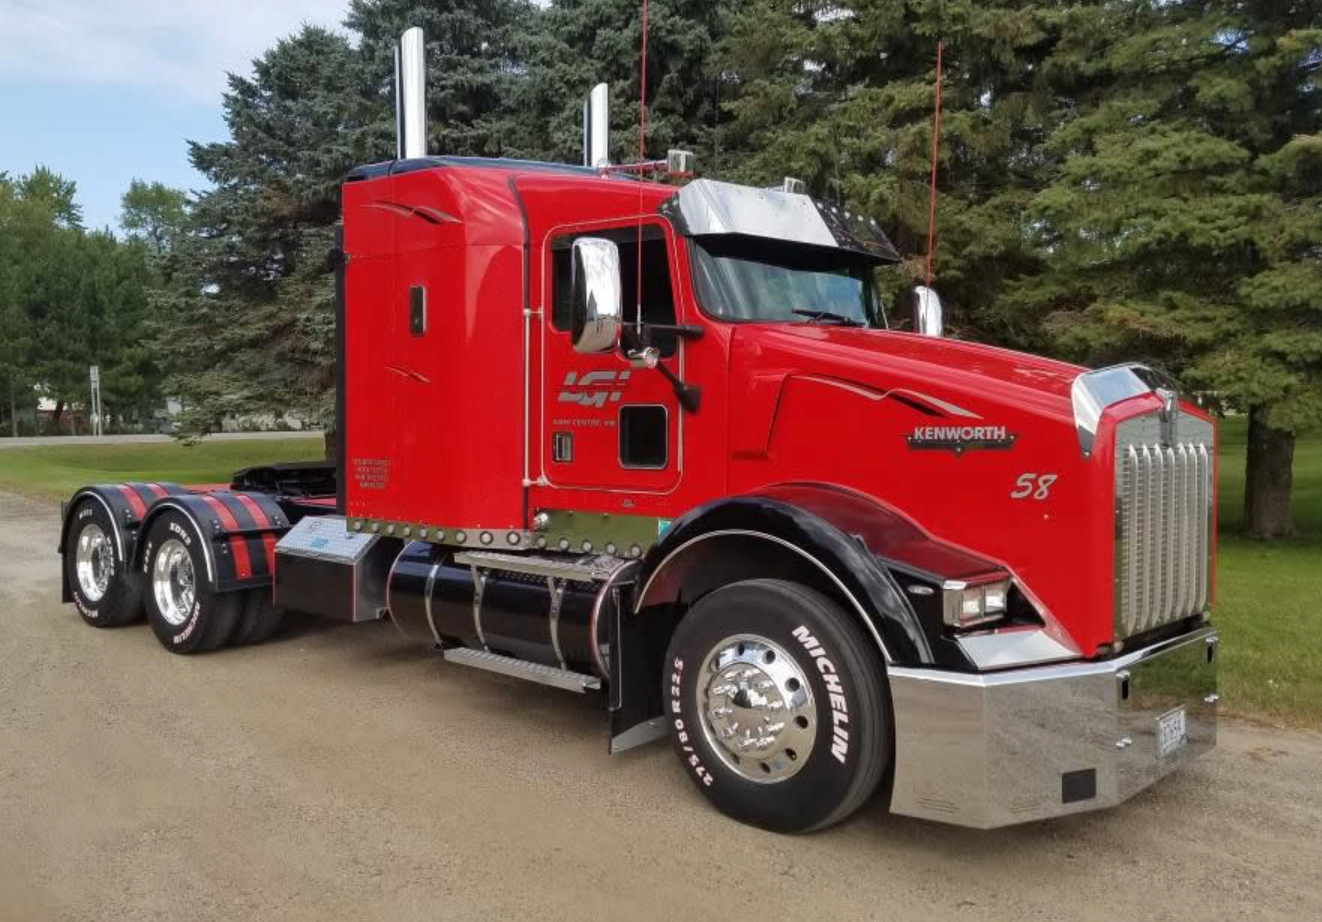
point(1182, 223)
point(250, 302)
point(576, 44)
point(842, 94)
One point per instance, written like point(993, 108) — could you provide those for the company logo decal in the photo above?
point(960, 439)
point(593, 389)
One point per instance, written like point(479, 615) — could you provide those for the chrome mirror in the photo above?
point(927, 311)
point(596, 303)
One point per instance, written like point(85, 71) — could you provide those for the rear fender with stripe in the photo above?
point(237, 532)
point(127, 505)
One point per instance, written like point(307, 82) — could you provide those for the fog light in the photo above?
point(967, 605)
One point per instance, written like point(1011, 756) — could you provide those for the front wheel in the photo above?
point(777, 706)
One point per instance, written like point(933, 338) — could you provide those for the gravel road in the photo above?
point(344, 773)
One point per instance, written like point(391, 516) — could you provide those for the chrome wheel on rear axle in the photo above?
point(173, 582)
point(757, 708)
point(93, 561)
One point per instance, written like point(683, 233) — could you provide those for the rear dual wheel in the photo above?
point(777, 706)
point(105, 591)
point(184, 610)
point(185, 613)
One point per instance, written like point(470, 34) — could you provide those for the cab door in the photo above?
point(605, 424)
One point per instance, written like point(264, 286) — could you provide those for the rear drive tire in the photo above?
point(777, 706)
point(106, 591)
point(186, 613)
point(259, 619)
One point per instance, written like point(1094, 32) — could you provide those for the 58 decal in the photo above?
point(1033, 486)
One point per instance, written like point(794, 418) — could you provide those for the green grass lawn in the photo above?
point(1267, 604)
point(1267, 594)
point(54, 472)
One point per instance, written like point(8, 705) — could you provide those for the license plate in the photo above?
point(1171, 732)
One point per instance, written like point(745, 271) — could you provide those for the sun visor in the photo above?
point(706, 207)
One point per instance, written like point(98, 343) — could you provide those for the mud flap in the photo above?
point(638, 648)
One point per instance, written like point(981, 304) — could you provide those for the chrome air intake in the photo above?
point(1163, 508)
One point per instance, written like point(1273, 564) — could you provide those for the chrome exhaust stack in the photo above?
point(411, 95)
point(597, 126)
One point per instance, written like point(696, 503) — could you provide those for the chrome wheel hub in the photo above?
point(93, 562)
point(172, 582)
point(757, 708)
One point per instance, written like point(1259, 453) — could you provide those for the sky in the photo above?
point(106, 91)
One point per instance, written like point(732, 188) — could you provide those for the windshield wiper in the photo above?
point(828, 317)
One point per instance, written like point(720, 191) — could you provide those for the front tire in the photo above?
point(777, 706)
point(105, 590)
point(186, 613)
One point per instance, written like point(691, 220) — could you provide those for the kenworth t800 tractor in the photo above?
point(654, 442)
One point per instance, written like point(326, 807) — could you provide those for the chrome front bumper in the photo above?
point(1027, 744)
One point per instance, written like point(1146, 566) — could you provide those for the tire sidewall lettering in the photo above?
point(684, 738)
point(837, 698)
point(190, 625)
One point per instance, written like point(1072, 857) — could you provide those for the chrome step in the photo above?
point(585, 569)
point(522, 669)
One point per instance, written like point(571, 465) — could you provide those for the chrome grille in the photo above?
point(1163, 522)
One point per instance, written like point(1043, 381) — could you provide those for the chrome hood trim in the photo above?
point(1094, 391)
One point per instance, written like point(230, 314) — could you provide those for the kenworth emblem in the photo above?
point(594, 388)
point(960, 439)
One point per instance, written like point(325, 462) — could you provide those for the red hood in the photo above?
point(887, 415)
point(881, 359)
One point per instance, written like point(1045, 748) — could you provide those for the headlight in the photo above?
point(966, 605)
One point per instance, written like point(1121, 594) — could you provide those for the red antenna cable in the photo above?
point(936, 140)
point(642, 156)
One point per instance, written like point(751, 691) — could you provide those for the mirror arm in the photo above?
point(682, 330)
point(640, 355)
point(688, 395)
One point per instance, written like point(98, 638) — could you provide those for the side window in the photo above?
point(643, 429)
point(658, 299)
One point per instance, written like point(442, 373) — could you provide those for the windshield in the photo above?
point(787, 284)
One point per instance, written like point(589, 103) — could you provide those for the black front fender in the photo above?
point(795, 526)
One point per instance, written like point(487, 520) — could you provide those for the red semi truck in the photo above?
point(656, 443)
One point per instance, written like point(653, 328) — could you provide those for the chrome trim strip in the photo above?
point(594, 621)
point(479, 587)
point(745, 533)
point(426, 603)
point(557, 590)
point(114, 522)
point(390, 583)
point(594, 569)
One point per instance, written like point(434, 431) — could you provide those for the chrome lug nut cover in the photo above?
point(757, 708)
